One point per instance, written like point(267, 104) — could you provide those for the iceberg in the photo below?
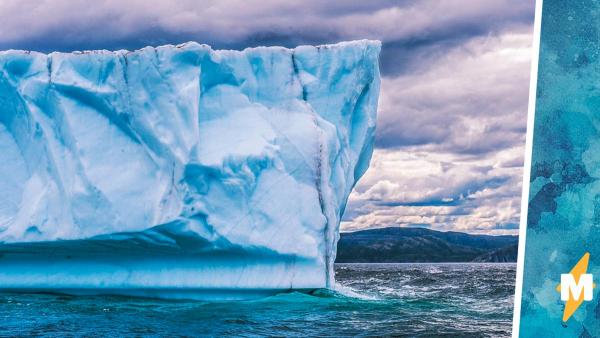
point(181, 171)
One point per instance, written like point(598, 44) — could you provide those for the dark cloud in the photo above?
point(406, 27)
point(472, 99)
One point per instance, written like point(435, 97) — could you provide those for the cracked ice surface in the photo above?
point(181, 167)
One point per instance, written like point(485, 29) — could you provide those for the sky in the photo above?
point(453, 107)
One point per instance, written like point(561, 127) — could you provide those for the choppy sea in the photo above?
point(414, 300)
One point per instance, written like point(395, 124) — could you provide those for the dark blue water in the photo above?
point(372, 300)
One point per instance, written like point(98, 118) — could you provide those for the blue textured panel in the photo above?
point(564, 202)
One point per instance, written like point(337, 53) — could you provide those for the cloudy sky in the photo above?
point(455, 78)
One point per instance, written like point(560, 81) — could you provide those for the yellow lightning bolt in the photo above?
point(573, 303)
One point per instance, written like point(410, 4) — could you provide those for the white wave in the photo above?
point(352, 293)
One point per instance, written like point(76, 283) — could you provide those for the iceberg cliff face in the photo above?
point(181, 169)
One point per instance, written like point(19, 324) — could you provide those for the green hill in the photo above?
point(404, 245)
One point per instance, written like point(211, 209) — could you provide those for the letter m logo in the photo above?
point(571, 289)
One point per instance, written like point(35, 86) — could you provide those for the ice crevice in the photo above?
point(181, 171)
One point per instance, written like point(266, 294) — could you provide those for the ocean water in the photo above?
point(454, 300)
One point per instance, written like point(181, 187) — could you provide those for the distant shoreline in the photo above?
point(420, 245)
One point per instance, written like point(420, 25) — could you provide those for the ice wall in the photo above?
point(181, 169)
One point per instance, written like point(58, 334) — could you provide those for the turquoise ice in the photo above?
point(181, 170)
